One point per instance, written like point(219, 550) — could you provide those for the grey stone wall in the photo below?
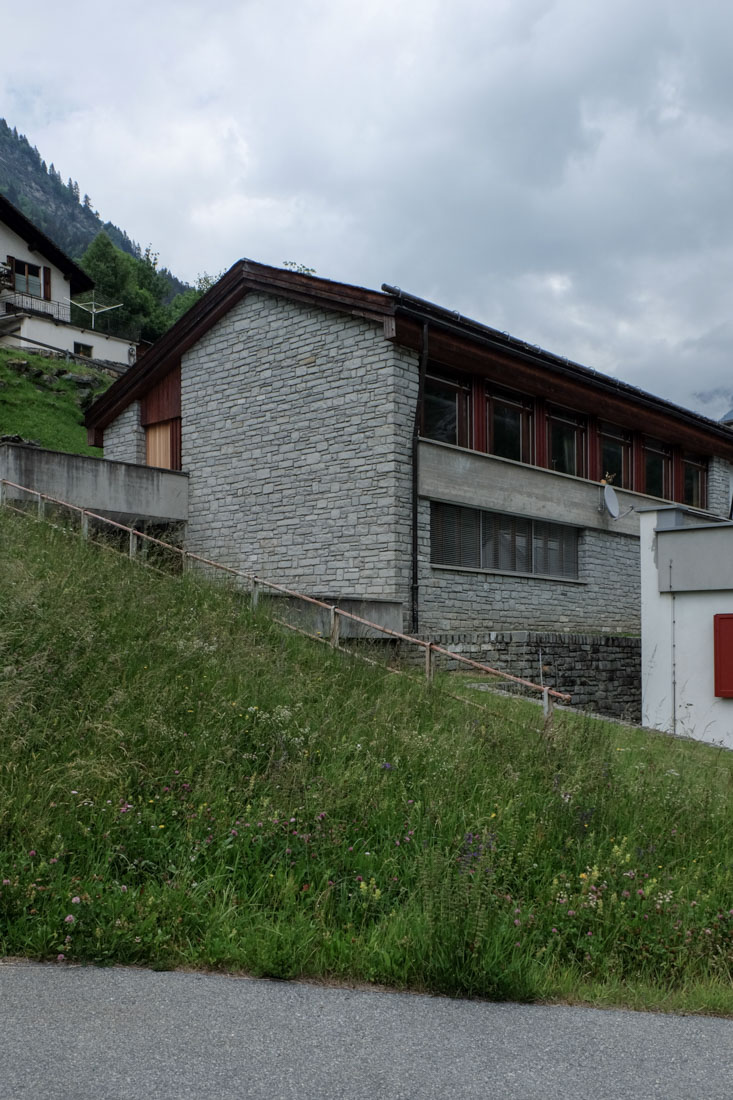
point(296, 429)
point(719, 472)
point(605, 598)
point(124, 438)
point(601, 673)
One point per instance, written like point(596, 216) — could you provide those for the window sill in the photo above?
point(506, 573)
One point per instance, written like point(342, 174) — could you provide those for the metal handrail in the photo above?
point(336, 613)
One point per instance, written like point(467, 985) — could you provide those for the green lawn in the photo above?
point(46, 409)
point(184, 783)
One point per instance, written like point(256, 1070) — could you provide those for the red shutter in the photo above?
point(723, 635)
point(47, 283)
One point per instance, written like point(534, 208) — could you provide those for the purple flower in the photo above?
point(386, 766)
point(60, 958)
point(32, 852)
point(69, 919)
point(571, 912)
point(76, 900)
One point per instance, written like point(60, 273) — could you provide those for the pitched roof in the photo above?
point(37, 241)
point(453, 338)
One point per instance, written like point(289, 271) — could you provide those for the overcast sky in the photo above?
point(558, 169)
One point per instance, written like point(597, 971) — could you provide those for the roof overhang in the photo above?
point(453, 340)
point(37, 241)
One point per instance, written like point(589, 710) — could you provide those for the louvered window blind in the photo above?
point(475, 539)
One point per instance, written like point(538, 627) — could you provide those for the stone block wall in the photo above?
point(296, 432)
point(124, 438)
point(602, 673)
point(719, 486)
point(606, 596)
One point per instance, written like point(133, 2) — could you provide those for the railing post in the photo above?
point(133, 545)
point(335, 627)
point(40, 510)
point(84, 525)
point(429, 668)
point(546, 703)
point(255, 597)
point(3, 492)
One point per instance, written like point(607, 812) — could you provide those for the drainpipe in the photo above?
point(415, 585)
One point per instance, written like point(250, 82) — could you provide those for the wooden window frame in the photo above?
point(477, 397)
point(494, 397)
point(464, 405)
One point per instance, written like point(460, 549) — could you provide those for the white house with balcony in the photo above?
point(37, 283)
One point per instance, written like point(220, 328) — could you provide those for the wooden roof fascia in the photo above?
point(37, 241)
point(243, 277)
point(167, 351)
point(569, 384)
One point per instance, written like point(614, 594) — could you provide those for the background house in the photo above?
point(37, 281)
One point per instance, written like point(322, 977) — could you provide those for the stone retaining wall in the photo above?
point(602, 673)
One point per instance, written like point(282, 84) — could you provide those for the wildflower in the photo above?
point(69, 919)
point(123, 889)
point(60, 958)
point(76, 900)
point(554, 929)
point(386, 767)
point(306, 886)
point(517, 922)
point(54, 860)
point(640, 893)
point(571, 912)
point(32, 852)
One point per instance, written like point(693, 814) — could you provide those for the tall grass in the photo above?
point(184, 783)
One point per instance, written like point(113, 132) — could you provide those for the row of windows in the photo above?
point(509, 426)
point(475, 539)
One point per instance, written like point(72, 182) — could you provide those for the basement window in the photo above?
point(470, 538)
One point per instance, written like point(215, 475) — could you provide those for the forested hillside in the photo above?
point(151, 298)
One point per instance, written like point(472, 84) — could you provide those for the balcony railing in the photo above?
point(16, 302)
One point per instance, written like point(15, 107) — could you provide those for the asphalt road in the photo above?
point(80, 1032)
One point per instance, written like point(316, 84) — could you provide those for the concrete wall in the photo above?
point(678, 603)
point(296, 429)
point(115, 489)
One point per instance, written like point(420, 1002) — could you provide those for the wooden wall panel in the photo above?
point(163, 401)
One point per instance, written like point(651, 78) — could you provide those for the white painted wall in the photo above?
point(13, 245)
point(677, 646)
point(63, 337)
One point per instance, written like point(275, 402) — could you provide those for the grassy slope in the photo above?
point(48, 413)
point(184, 783)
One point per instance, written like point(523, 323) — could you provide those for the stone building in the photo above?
point(370, 447)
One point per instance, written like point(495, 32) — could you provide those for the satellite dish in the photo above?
point(610, 501)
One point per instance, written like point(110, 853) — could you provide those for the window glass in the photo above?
point(694, 482)
point(563, 447)
point(446, 411)
point(509, 544)
point(441, 413)
point(657, 469)
point(615, 455)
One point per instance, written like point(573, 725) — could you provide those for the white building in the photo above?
point(687, 624)
point(37, 281)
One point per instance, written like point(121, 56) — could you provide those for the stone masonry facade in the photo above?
point(605, 598)
point(602, 674)
point(124, 439)
point(296, 429)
